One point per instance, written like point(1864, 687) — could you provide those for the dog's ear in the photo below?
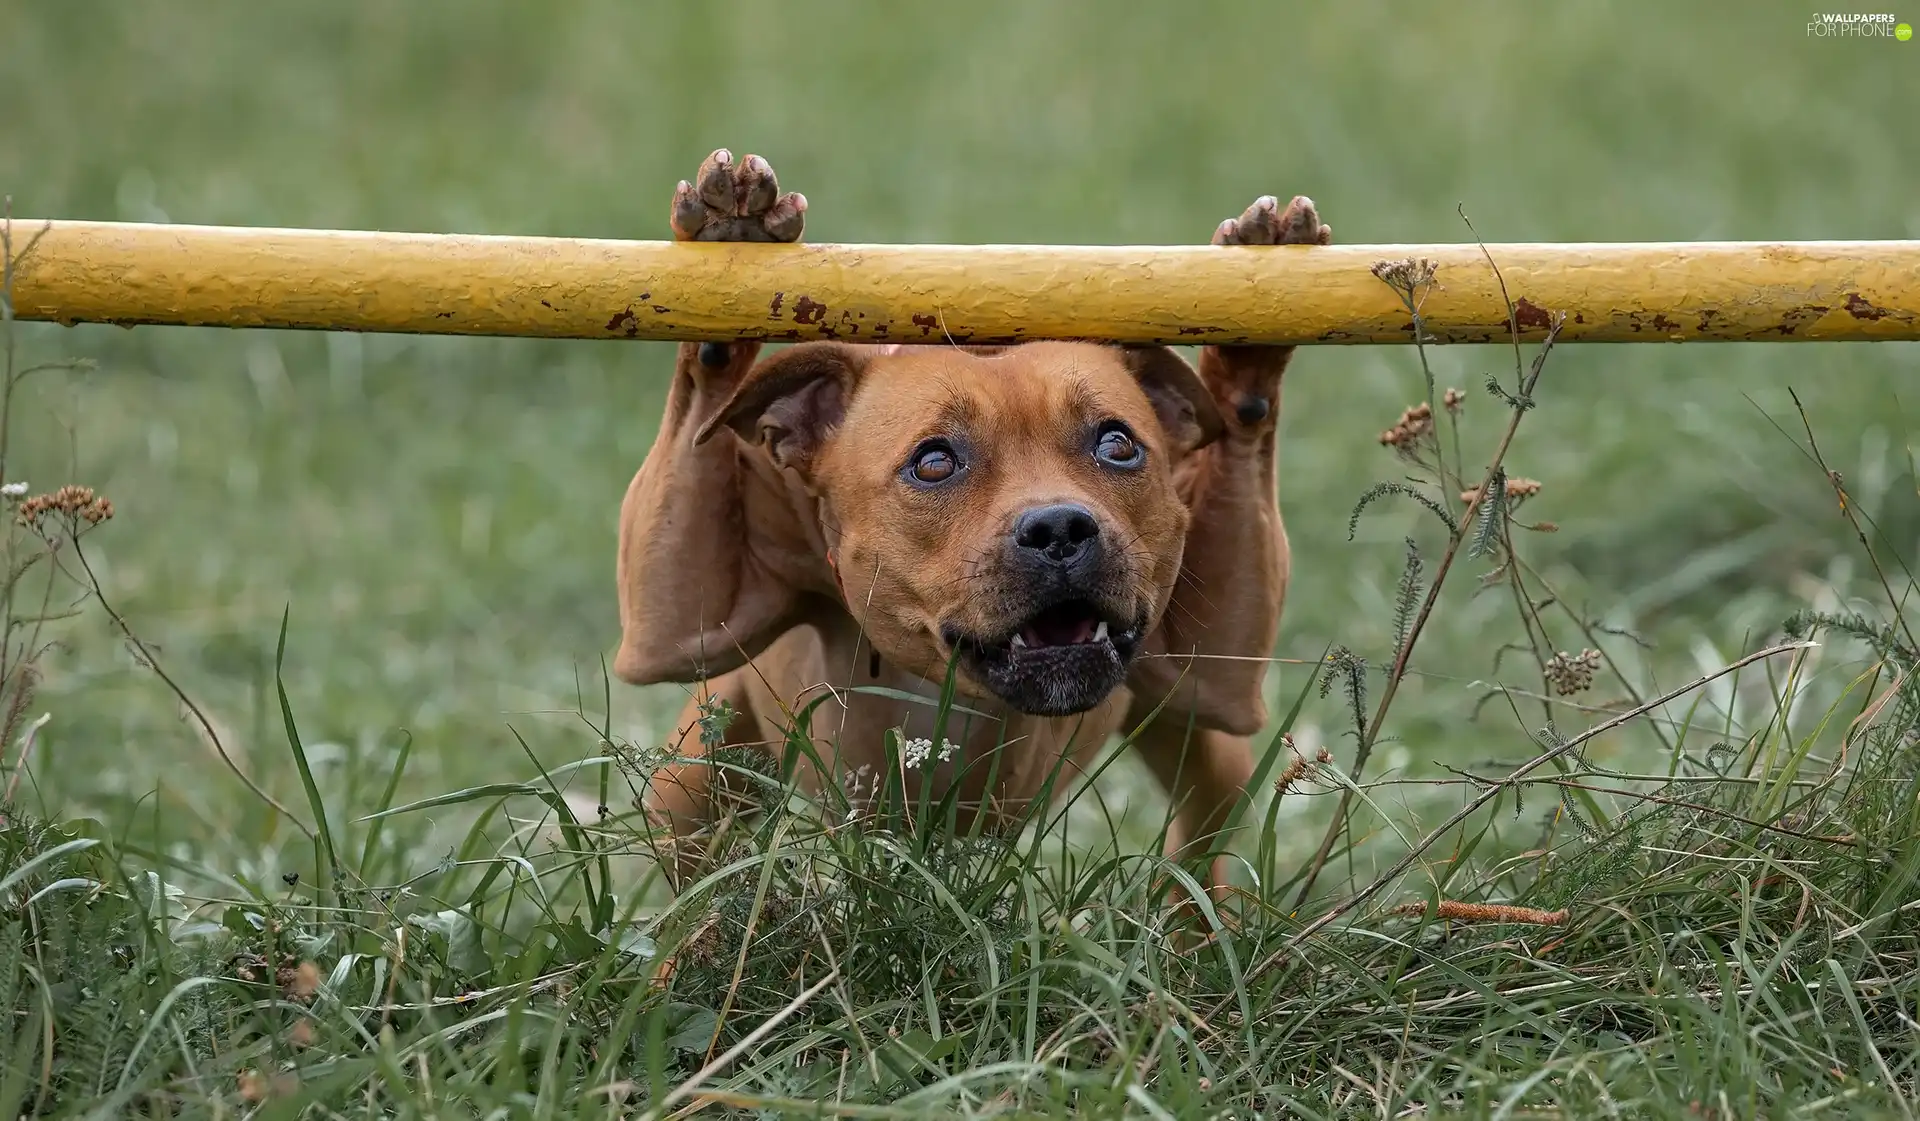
point(1186, 409)
point(792, 401)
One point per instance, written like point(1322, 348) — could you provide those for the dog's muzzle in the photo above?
point(1070, 633)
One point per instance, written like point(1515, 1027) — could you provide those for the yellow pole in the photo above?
point(105, 272)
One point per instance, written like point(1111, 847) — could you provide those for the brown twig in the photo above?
point(1454, 910)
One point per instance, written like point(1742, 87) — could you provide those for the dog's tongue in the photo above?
point(1060, 628)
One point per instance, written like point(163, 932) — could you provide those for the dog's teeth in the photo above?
point(1018, 643)
point(1100, 632)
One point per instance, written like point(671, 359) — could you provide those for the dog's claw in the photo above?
point(1265, 223)
point(786, 218)
point(736, 200)
point(761, 187)
point(689, 213)
point(716, 181)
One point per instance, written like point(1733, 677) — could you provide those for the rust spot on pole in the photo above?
point(807, 311)
point(1531, 316)
point(1860, 307)
point(1795, 318)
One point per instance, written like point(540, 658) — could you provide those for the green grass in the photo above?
point(438, 517)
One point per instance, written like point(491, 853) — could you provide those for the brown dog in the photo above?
point(1092, 530)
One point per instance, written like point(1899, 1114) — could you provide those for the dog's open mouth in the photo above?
point(1063, 659)
point(1064, 624)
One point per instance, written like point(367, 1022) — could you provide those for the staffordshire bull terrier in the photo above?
point(1091, 531)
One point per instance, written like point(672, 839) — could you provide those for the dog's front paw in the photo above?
point(1264, 223)
point(736, 201)
point(1245, 380)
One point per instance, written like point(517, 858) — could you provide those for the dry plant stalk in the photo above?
point(1411, 280)
point(1456, 911)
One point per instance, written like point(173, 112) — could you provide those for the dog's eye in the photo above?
point(934, 462)
point(1116, 447)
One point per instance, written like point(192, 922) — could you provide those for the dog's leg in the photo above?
point(1233, 580)
point(688, 795)
point(1203, 772)
point(708, 549)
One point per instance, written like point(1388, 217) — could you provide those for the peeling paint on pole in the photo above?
point(128, 273)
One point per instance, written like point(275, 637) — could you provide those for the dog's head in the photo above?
point(1014, 507)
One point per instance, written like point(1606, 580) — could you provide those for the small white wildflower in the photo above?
point(14, 490)
point(947, 748)
point(914, 752)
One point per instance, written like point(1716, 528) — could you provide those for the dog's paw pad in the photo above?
point(736, 200)
point(1266, 223)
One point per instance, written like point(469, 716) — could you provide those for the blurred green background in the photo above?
point(439, 514)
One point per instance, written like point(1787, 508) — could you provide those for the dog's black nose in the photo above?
point(1063, 533)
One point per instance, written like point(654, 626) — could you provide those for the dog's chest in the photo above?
point(852, 715)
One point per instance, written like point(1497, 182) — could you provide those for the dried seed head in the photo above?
point(256, 1087)
point(1406, 274)
point(1518, 490)
point(305, 981)
point(72, 504)
point(1572, 673)
point(1293, 771)
point(253, 1088)
point(1455, 400)
point(1414, 424)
